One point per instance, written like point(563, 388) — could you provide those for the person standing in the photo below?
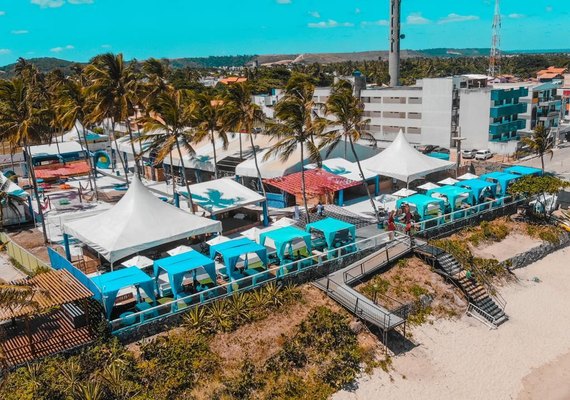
point(320, 209)
point(391, 225)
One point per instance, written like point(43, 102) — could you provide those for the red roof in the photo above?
point(317, 181)
point(54, 171)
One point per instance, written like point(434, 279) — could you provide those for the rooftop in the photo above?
point(317, 181)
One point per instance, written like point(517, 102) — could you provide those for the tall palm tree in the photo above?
point(157, 74)
point(170, 119)
point(540, 142)
point(114, 92)
point(206, 112)
point(296, 127)
point(72, 105)
point(24, 121)
point(241, 115)
point(349, 126)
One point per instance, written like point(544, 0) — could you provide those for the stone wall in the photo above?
point(537, 253)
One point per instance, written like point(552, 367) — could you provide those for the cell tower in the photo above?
point(495, 58)
point(394, 54)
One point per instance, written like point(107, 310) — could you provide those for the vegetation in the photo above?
point(538, 187)
point(541, 143)
point(493, 231)
point(321, 356)
point(548, 233)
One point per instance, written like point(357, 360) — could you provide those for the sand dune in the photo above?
point(463, 359)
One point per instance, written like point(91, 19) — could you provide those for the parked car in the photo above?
point(428, 148)
point(468, 154)
point(483, 155)
point(438, 149)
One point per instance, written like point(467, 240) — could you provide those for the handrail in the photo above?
point(487, 318)
point(502, 303)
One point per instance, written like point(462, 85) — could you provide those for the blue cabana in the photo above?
point(428, 207)
point(284, 237)
point(453, 195)
point(177, 266)
point(233, 249)
point(110, 283)
point(523, 170)
point(330, 227)
point(503, 179)
point(479, 188)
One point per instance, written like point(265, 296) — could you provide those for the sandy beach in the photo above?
point(528, 357)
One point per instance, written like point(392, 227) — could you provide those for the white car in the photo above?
point(483, 155)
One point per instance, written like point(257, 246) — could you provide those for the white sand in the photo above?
point(513, 244)
point(465, 360)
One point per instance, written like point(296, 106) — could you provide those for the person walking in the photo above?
point(391, 225)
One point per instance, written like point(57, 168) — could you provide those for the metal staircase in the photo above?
point(484, 303)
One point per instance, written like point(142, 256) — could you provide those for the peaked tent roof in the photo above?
point(76, 133)
point(139, 221)
point(401, 161)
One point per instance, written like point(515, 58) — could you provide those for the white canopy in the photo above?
point(346, 169)
point(221, 195)
point(467, 176)
point(179, 250)
point(428, 186)
point(401, 161)
point(448, 181)
point(139, 262)
point(76, 133)
point(139, 221)
point(404, 192)
point(54, 149)
point(217, 240)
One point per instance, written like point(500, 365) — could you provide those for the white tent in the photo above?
point(139, 221)
point(467, 176)
point(346, 169)
point(404, 193)
point(139, 262)
point(222, 195)
point(401, 161)
point(448, 181)
point(428, 186)
point(180, 250)
point(76, 133)
point(55, 149)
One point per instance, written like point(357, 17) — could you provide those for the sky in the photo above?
point(79, 29)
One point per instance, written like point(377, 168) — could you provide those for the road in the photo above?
point(558, 164)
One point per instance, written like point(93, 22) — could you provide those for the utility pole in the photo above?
point(495, 56)
point(394, 54)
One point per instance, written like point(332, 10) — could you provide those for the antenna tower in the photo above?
point(495, 56)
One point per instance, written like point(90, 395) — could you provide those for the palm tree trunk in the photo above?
point(172, 175)
point(137, 168)
point(303, 184)
point(542, 162)
point(32, 174)
point(257, 165)
point(189, 200)
point(125, 170)
point(215, 156)
point(364, 179)
point(92, 173)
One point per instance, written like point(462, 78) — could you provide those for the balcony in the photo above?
point(508, 109)
point(501, 128)
point(504, 138)
point(548, 103)
point(502, 94)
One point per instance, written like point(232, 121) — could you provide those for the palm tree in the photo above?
point(157, 73)
point(9, 201)
point(15, 297)
point(241, 115)
point(347, 111)
point(23, 121)
point(170, 116)
point(206, 114)
point(71, 106)
point(295, 127)
point(114, 92)
point(540, 142)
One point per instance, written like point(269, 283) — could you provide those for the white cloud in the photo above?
point(315, 14)
point(457, 18)
point(20, 32)
point(417, 19)
point(331, 23)
point(49, 3)
point(59, 3)
point(380, 22)
point(60, 49)
point(516, 16)
point(5, 51)
point(284, 1)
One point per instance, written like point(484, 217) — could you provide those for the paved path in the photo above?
point(8, 272)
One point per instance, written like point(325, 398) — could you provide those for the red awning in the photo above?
point(55, 171)
point(317, 182)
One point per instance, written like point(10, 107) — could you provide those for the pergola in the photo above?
point(330, 227)
point(479, 188)
point(56, 319)
point(452, 195)
point(232, 250)
point(523, 170)
point(422, 204)
point(503, 179)
point(283, 239)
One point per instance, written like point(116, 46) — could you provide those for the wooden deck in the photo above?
point(51, 333)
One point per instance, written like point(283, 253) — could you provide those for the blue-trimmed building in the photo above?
point(506, 109)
